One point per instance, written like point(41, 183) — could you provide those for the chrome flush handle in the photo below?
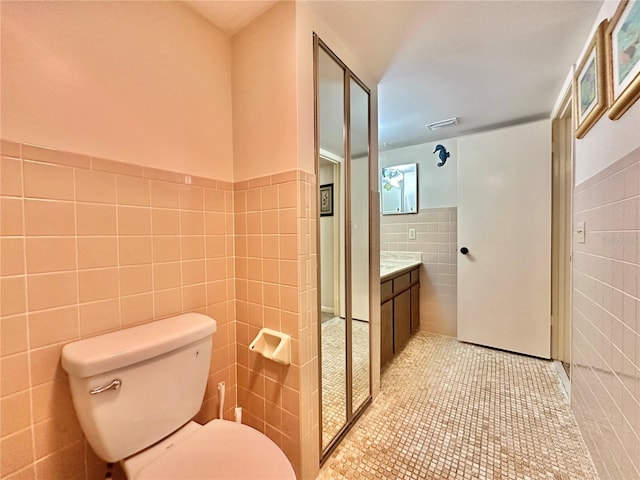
point(112, 386)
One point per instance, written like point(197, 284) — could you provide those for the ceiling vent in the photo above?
point(442, 123)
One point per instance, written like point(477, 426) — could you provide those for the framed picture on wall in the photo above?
point(623, 63)
point(326, 200)
point(589, 84)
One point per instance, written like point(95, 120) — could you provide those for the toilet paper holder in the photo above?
point(273, 345)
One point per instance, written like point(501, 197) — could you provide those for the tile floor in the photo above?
point(334, 407)
point(450, 410)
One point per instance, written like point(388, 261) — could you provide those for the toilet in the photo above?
point(135, 393)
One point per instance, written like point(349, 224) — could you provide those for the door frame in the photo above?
point(563, 158)
point(338, 234)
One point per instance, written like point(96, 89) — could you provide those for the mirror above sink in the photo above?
point(399, 189)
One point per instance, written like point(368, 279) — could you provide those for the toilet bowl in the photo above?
point(218, 450)
point(135, 393)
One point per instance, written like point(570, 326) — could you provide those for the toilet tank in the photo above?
point(162, 368)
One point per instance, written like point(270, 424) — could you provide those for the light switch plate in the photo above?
point(412, 234)
point(580, 232)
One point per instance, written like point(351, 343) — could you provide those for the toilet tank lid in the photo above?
point(115, 350)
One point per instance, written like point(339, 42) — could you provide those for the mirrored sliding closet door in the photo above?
point(342, 166)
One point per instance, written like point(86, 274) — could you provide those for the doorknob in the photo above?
point(464, 250)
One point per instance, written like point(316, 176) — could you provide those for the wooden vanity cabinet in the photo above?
point(415, 308)
point(401, 320)
point(399, 312)
point(386, 332)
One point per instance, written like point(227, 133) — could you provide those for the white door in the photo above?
point(504, 220)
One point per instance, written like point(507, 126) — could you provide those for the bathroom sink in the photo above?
point(393, 262)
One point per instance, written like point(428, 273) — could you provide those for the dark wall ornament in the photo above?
point(443, 154)
point(326, 200)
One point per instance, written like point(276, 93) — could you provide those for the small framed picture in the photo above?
point(326, 200)
point(623, 50)
point(589, 84)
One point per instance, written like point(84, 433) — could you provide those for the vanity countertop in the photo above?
point(392, 263)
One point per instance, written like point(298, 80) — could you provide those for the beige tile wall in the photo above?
point(89, 246)
point(274, 286)
point(308, 334)
point(436, 238)
point(606, 318)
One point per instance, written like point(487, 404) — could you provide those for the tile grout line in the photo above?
point(27, 315)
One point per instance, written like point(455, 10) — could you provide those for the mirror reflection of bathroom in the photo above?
point(332, 247)
point(399, 189)
point(334, 380)
point(343, 179)
point(359, 180)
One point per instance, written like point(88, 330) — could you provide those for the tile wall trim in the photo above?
point(39, 154)
point(625, 162)
point(36, 153)
point(275, 179)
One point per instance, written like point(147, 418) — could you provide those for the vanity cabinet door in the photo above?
point(401, 320)
point(415, 308)
point(386, 291)
point(402, 282)
point(386, 332)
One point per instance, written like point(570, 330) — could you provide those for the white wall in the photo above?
point(147, 83)
point(359, 240)
point(437, 186)
point(264, 94)
point(327, 243)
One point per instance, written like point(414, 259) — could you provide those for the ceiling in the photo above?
point(489, 63)
point(230, 16)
